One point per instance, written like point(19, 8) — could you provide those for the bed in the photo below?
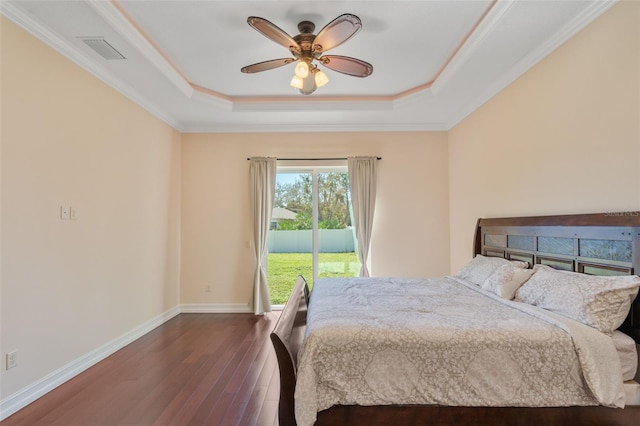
point(471, 346)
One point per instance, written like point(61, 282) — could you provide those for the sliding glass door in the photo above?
point(311, 229)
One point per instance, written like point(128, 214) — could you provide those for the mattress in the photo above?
point(380, 341)
point(628, 352)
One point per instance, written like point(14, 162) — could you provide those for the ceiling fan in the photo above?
point(307, 47)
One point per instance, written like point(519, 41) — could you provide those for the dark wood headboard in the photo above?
point(596, 244)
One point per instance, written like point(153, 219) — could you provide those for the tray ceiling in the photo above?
point(434, 61)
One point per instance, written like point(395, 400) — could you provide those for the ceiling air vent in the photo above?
point(102, 47)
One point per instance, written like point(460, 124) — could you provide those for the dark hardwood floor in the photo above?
point(220, 369)
point(196, 369)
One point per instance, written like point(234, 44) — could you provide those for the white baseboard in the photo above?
point(216, 308)
point(27, 395)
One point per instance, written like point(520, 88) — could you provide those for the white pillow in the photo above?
point(506, 280)
point(481, 267)
point(601, 302)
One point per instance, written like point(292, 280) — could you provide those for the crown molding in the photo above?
point(314, 105)
point(116, 18)
point(215, 101)
point(592, 12)
point(315, 128)
point(85, 62)
point(412, 99)
point(484, 28)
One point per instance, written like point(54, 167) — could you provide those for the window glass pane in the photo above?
point(290, 237)
point(336, 238)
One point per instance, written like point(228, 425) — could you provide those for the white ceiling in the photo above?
point(434, 61)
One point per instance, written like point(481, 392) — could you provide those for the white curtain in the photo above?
point(263, 183)
point(362, 181)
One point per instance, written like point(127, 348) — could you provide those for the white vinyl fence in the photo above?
point(330, 241)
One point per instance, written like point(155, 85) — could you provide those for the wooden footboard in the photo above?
point(287, 337)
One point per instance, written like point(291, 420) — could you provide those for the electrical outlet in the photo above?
point(73, 213)
point(12, 359)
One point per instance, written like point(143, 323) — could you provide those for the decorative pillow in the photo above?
point(481, 267)
point(506, 280)
point(601, 302)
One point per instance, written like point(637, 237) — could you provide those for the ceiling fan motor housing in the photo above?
point(305, 41)
point(306, 27)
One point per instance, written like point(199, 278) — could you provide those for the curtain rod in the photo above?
point(314, 159)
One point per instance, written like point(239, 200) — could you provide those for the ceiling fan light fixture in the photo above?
point(297, 82)
point(302, 69)
point(321, 78)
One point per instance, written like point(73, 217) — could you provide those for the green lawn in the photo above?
point(283, 270)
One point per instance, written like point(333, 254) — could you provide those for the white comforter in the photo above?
point(379, 341)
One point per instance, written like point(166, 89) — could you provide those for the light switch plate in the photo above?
point(12, 360)
point(64, 212)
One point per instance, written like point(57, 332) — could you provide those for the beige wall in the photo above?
point(411, 221)
point(69, 287)
point(563, 138)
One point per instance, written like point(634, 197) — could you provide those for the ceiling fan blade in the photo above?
point(337, 32)
point(274, 33)
point(266, 65)
point(347, 65)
